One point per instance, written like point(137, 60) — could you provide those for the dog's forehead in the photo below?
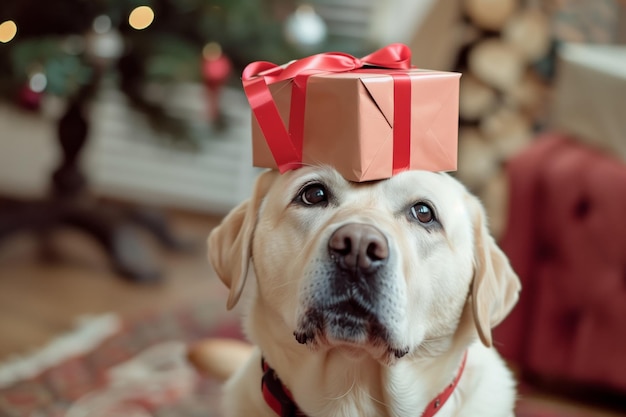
point(434, 183)
point(433, 186)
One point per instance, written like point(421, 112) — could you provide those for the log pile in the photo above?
point(502, 98)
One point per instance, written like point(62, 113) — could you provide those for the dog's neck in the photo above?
point(345, 386)
point(281, 400)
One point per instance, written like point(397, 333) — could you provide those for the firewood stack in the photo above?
point(502, 97)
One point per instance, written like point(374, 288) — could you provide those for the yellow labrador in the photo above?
point(364, 299)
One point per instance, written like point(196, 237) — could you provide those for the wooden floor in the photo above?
point(40, 299)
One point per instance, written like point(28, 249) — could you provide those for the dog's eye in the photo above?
point(314, 194)
point(423, 213)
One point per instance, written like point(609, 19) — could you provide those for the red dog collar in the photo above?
point(436, 404)
point(279, 399)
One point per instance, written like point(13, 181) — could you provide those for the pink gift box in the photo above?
point(349, 121)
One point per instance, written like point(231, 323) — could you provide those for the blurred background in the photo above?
point(125, 137)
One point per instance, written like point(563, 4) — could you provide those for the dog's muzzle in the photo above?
point(358, 253)
point(350, 309)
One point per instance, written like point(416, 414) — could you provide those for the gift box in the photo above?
point(368, 123)
point(590, 95)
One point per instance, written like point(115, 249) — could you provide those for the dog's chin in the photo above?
point(356, 335)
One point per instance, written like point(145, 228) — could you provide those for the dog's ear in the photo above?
point(495, 286)
point(230, 243)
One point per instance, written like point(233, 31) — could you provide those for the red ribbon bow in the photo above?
point(286, 145)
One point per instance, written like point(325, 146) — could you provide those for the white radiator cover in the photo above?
point(126, 162)
point(126, 159)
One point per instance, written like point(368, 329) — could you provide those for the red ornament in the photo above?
point(216, 68)
point(28, 98)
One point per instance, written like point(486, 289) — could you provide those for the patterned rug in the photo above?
point(52, 392)
point(83, 385)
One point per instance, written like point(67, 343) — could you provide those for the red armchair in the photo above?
point(566, 238)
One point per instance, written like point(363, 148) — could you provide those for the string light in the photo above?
point(141, 17)
point(8, 30)
point(212, 50)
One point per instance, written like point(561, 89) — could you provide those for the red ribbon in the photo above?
point(286, 145)
point(401, 122)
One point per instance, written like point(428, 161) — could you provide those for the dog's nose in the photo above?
point(357, 246)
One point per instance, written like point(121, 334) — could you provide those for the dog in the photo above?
point(362, 299)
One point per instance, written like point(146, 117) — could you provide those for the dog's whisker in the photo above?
point(286, 283)
point(376, 400)
point(345, 394)
point(314, 164)
point(433, 346)
point(305, 164)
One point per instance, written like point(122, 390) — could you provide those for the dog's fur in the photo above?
point(439, 290)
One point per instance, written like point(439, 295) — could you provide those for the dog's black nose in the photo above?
point(358, 247)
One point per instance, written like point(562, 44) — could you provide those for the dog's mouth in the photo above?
point(349, 322)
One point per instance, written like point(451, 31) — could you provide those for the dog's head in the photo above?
point(385, 268)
